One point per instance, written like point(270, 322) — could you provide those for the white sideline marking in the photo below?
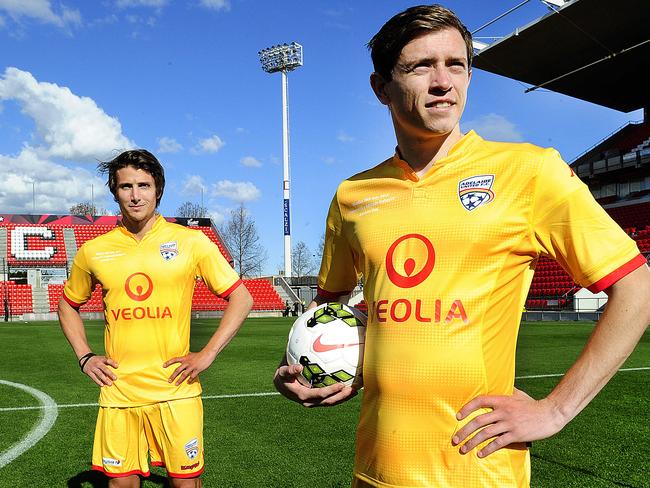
point(557, 375)
point(243, 395)
point(45, 423)
point(79, 405)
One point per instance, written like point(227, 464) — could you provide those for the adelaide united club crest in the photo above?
point(169, 250)
point(476, 191)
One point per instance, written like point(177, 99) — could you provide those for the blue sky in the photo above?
point(81, 80)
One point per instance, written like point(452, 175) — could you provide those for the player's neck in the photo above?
point(421, 153)
point(139, 227)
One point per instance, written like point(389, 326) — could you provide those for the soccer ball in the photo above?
point(328, 342)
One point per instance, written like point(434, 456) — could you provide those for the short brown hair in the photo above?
point(386, 45)
point(139, 159)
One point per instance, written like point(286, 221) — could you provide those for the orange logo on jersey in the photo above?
point(403, 310)
point(410, 280)
point(135, 287)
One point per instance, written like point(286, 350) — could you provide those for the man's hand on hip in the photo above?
point(513, 419)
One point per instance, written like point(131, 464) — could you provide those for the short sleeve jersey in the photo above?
point(447, 262)
point(147, 292)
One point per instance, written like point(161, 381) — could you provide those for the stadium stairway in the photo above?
point(40, 300)
point(3, 248)
point(70, 245)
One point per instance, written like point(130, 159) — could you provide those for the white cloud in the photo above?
point(329, 159)
point(192, 185)
point(343, 137)
point(27, 180)
point(218, 216)
point(494, 127)
point(251, 162)
point(216, 4)
point(168, 145)
point(209, 145)
point(239, 191)
point(40, 10)
point(69, 126)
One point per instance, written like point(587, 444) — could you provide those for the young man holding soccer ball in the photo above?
point(445, 286)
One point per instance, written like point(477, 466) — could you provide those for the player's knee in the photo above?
point(124, 482)
point(185, 482)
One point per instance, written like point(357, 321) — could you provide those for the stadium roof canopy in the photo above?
point(594, 50)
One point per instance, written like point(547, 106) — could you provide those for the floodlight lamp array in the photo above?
point(283, 57)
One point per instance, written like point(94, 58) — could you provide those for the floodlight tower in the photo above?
point(284, 58)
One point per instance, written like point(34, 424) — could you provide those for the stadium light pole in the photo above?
point(284, 58)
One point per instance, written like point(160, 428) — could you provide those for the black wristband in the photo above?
point(84, 359)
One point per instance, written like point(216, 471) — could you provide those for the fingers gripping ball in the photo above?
point(328, 342)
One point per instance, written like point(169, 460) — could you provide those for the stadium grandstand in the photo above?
point(597, 48)
point(36, 253)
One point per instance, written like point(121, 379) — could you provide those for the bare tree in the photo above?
point(302, 261)
point(321, 247)
point(241, 237)
point(191, 210)
point(87, 208)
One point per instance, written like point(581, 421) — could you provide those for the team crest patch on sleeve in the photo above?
point(476, 191)
point(169, 250)
point(192, 449)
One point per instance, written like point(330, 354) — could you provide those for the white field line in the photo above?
point(557, 375)
point(50, 411)
point(81, 405)
point(45, 422)
point(260, 394)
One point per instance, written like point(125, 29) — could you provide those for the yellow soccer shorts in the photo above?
point(170, 434)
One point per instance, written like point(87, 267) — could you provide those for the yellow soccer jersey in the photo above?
point(147, 292)
point(447, 262)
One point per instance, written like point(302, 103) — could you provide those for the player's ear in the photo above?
point(378, 84)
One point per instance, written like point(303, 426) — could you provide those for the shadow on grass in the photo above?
point(581, 470)
point(95, 479)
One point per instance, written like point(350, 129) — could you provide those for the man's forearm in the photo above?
point(616, 334)
point(239, 305)
point(73, 328)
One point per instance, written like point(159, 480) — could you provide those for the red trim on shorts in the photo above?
point(614, 276)
point(119, 475)
point(196, 474)
point(227, 293)
point(72, 303)
point(331, 295)
point(159, 464)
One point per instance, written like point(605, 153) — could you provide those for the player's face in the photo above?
point(136, 194)
point(428, 91)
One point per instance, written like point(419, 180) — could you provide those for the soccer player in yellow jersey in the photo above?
point(446, 234)
point(150, 404)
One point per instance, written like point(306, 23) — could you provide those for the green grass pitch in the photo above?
point(267, 441)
